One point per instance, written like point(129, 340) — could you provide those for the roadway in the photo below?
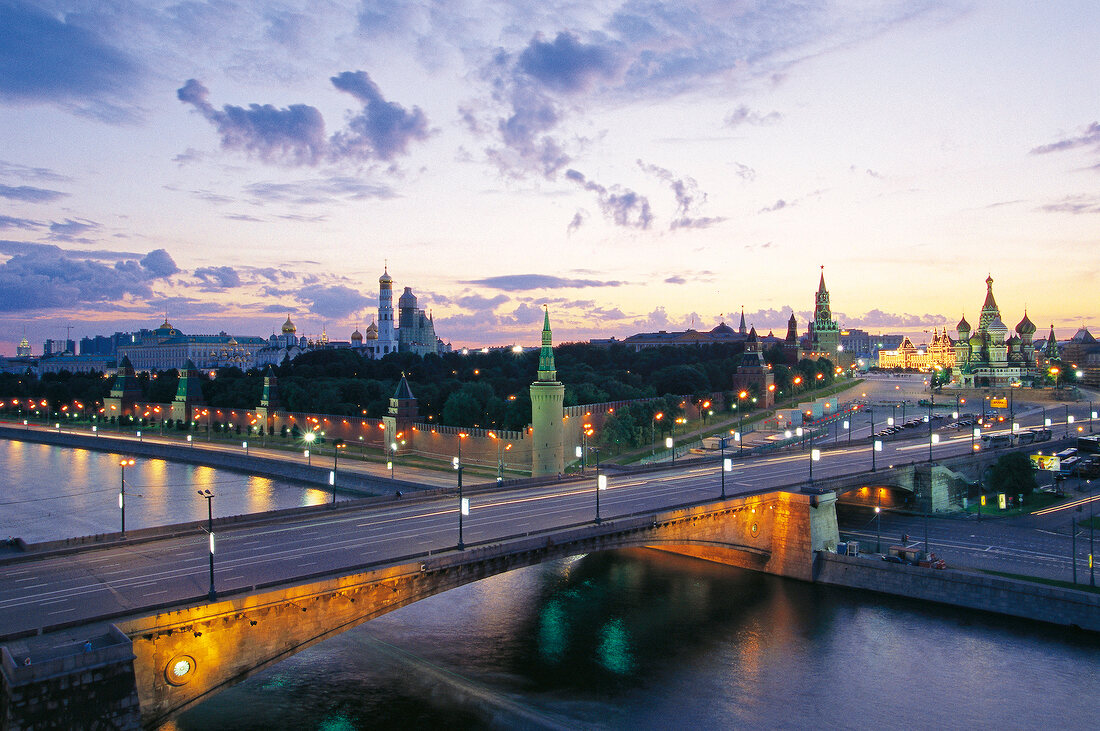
point(47, 591)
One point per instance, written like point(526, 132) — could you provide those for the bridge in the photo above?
point(130, 629)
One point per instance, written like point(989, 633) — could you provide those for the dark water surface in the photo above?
point(49, 493)
point(643, 640)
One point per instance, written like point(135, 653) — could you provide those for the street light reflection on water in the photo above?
point(54, 492)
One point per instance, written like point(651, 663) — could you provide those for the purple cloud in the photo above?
point(522, 282)
point(22, 223)
point(30, 194)
point(744, 115)
point(46, 58)
point(159, 263)
point(1089, 137)
point(621, 205)
point(295, 134)
point(567, 65)
point(383, 129)
point(336, 302)
point(217, 279)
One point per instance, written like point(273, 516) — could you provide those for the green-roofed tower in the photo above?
point(547, 412)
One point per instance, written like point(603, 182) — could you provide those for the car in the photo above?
point(892, 559)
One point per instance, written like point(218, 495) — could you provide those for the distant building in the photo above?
point(988, 357)
point(58, 347)
point(939, 354)
point(23, 350)
point(98, 345)
point(167, 347)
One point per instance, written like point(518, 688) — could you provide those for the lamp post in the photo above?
point(815, 456)
point(652, 430)
point(848, 428)
point(878, 522)
point(1067, 421)
point(393, 457)
point(337, 445)
point(671, 446)
point(874, 442)
point(463, 504)
point(722, 447)
point(1092, 415)
point(1073, 551)
point(209, 496)
point(601, 483)
point(1092, 527)
point(741, 423)
point(123, 464)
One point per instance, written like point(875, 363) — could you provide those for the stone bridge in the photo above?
point(145, 668)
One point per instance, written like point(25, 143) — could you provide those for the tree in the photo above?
point(1013, 474)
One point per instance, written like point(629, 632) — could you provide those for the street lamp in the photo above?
point(337, 445)
point(878, 522)
point(463, 503)
point(815, 456)
point(309, 437)
point(123, 463)
point(877, 447)
point(653, 428)
point(669, 446)
point(209, 496)
point(601, 484)
point(848, 428)
point(393, 458)
point(932, 440)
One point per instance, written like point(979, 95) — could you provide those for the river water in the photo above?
point(641, 640)
point(49, 493)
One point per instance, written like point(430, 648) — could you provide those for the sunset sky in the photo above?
point(636, 165)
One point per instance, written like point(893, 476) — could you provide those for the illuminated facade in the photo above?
point(547, 412)
point(939, 354)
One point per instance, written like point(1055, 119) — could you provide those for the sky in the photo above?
point(635, 165)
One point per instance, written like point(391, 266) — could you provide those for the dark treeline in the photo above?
point(489, 390)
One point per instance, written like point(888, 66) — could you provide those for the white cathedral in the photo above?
point(412, 332)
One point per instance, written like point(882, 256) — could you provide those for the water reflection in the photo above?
point(51, 493)
point(642, 640)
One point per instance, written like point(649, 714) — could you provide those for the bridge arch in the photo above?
point(186, 655)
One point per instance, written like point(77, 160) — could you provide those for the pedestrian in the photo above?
point(27, 660)
point(88, 646)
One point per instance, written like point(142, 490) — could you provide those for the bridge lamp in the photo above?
point(601, 484)
point(123, 464)
point(877, 447)
point(209, 497)
point(57, 425)
point(815, 456)
point(889, 421)
point(1069, 419)
point(306, 453)
point(954, 414)
point(669, 446)
point(244, 446)
point(1015, 427)
point(188, 439)
point(787, 434)
point(1046, 422)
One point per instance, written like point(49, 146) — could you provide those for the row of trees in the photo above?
point(488, 390)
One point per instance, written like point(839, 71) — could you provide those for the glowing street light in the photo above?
point(123, 464)
point(209, 496)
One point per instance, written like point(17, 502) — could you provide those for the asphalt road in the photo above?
point(49, 591)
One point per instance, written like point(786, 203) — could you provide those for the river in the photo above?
point(638, 639)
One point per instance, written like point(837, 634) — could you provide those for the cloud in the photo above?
point(478, 302)
point(621, 205)
point(578, 220)
point(779, 205)
point(880, 319)
point(243, 217)
point(46, 58)
point(24, 172)
point(522, 282)
point(688, 198)
point(324, 190)
point(71, 230)
point(23, 223)
point(30, 194)
point(566, 64)
point(333, 301)
point(218, 279)
point(1075, 204)
point(744, 115)
point(40, 277)
point(383, 129)
point(294, 135)
point(744, 172)
point(159, 263)
point(675, 279)
point(1089, 137)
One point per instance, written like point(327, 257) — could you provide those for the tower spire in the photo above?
point(547, 371)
